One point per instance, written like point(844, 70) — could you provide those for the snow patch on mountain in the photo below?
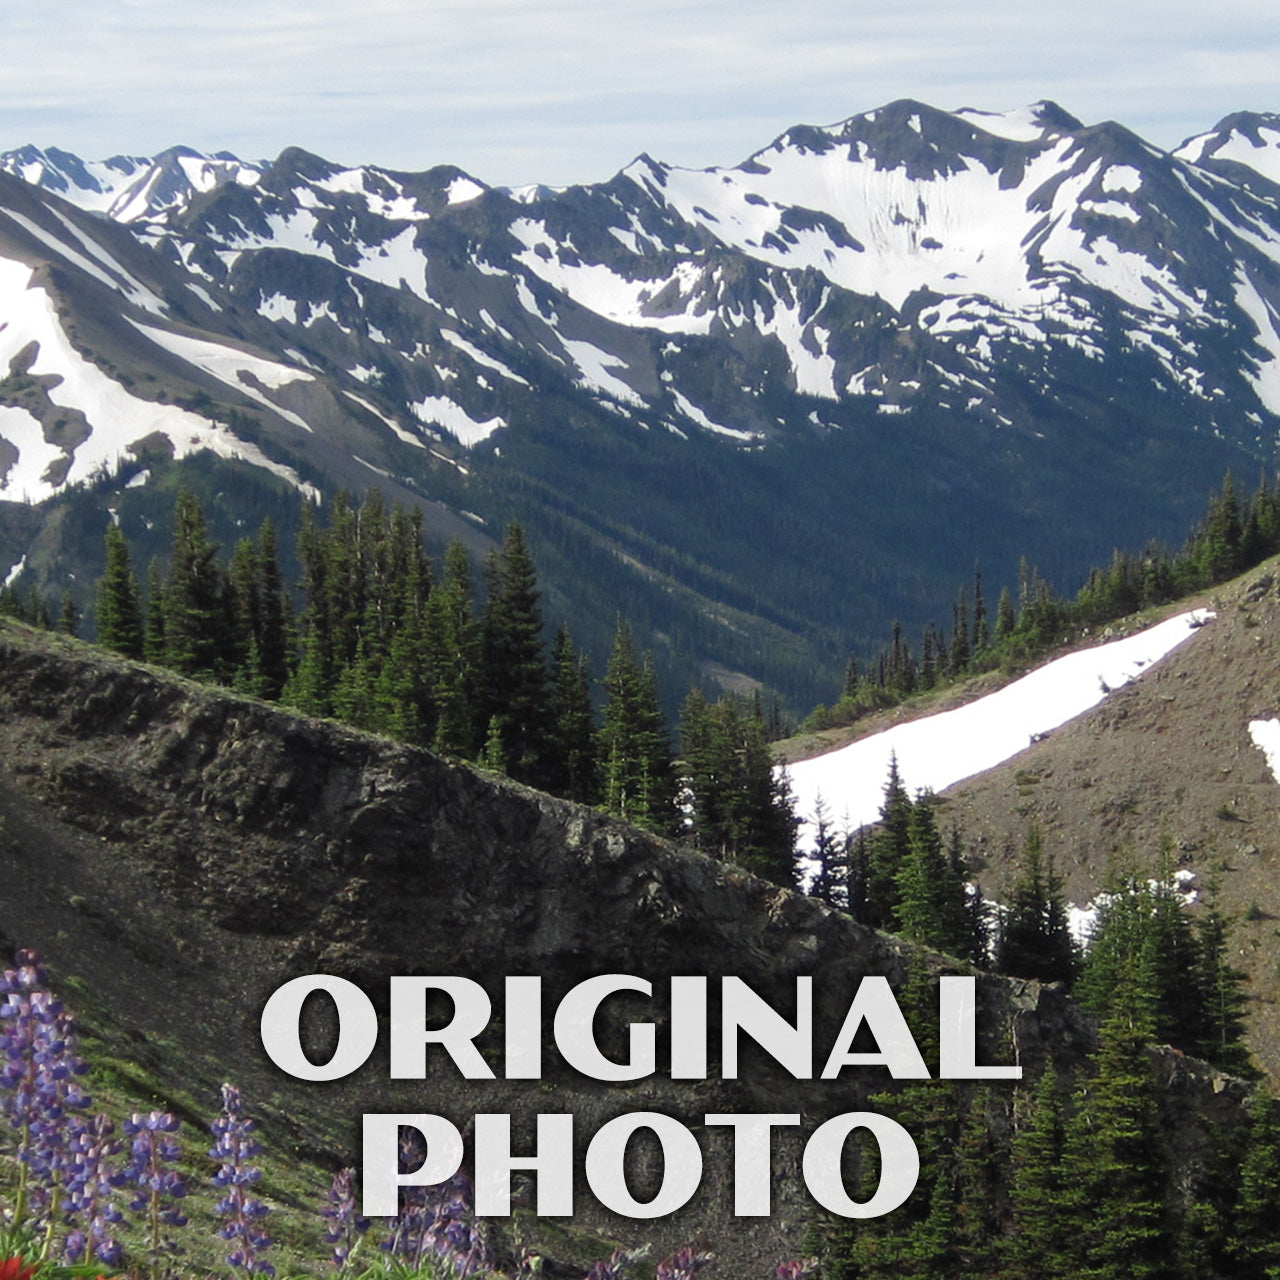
point(279, 307)
point(122, 281)
point(225, 363)
point(116, 419)
point(938, 751)
point(1266, 737)
point(26, 480)
point(442, 412)
point(137, 292)
point(456, 339)
point(397, 430)
point(372, 187)
point(463, 189)
point(1265, 376)
point(1023, 124)
point(694, 414)
point(597, 369)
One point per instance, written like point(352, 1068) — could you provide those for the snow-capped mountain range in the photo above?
point(996, 321)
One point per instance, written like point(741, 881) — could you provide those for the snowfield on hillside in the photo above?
point(938, 751)
point(1266, 737)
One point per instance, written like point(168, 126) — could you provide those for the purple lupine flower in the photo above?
point(436, 1223)
point(797, 1269)
point(346, 1226)
point(613, 1268)
point(235, 1146)
point(38, 1087)
point(156, 1186)
point(684, 1264)
point(90, 1199)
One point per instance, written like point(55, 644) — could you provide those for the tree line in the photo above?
point(1233, 536)
point(377, 635)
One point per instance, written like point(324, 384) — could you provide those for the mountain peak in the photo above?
point(1023, 124)
point(1248, 140)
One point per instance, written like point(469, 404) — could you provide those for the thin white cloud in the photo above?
point(569, 90)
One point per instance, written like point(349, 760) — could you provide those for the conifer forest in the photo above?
point(1069, 1175)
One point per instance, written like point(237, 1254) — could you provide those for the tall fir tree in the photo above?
point(451, 646)
point(196, 621)
point(635, 745)
point(119, 609)
point(1116, 1163)
point(1035, 938)
point(1253, 1233)
point(931, 895)
point(574, 763)
point(513, 675)
point(1038, 1242)
point(887, 850)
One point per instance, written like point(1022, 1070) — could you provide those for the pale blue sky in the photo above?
point(561, 91)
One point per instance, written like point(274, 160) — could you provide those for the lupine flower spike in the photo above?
point(613, 1268)
point(346, 1226)
point(235, 1146)
point(797, 1269)
point(38, 1089)
point(435, 1223)
point(90, 1203)
point(684, 1264)
point(157, 1186)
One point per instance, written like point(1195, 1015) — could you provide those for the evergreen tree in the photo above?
point(197, 633)
point(242, 591)
point(975, 930)
point(401, 690)
point(961, 650)
point(979, 1192)
point(1146, 951)
point(859, 877)
point(931, 896)
point(273, 622)
point(119, 611)
point(1039, 1241)
point(850, 688)
point(1116, 1164)
point(1220, 994)
point(69, 615)
point(1215, 548)
point(1035, 940)
point(155, 645)
point(888, 848)
point(451, 648)
point(494, 755)
point(829, 859)
point(573, 748)
point(635, 748)
point(981, 629)
point(1253, 1245)
point(1005, 620)
point(514, 684)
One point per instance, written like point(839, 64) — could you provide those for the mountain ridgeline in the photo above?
point(761, 411)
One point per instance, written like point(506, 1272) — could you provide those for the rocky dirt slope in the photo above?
point(1167, 761)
